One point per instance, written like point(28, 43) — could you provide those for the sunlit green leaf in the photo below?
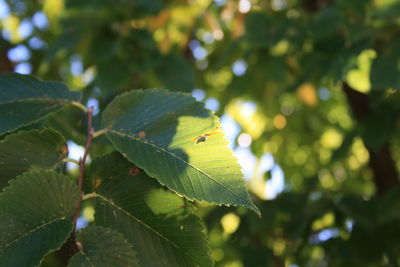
point(176, 140)
point(157, 222)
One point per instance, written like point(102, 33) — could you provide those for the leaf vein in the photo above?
point(174, 156)
point(109, 201)
point(35, 229)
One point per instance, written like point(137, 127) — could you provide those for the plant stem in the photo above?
point(90, 195)
point(71, 247)
point(79, 105)
point(71, 160)
point(82, 162)
point(99, 132)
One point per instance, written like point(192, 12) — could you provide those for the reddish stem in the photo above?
point(82, 162)
point(71, 246)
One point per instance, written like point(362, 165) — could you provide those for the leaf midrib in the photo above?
point(41, 100)
point(87, 257)
point(112, 203)
point(174, 156)
point(35, 229)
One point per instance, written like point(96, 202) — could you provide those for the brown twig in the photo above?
point(381, 160)
point(5, 63)
point(71, 247)
point(82, 162)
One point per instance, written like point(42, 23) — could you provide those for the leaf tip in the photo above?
point(255, 209)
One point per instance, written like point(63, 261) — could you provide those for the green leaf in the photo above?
point(113, 74)
point(358, 209)
point(35, 216)
point(385, 68)
point(341, 152)
point(176, 140)
point(156, 221)
point(103, 247)
point(22, 151)
point(175, 73)
point(389, 206)
point(140, 6)
point(257, 32)
point(326, 22)
point(24, 99)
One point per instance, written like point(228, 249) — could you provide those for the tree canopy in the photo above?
point(308, 95)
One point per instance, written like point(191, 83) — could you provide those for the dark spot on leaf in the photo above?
point(133, 171)
point(201, 139)
point(96, 183)
point(142, 134)
point(79, 245)
point(64, 149)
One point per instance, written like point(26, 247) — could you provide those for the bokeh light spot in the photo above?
point(244, 6)
point(230, 222)
point(279, 122)
point(244, 140)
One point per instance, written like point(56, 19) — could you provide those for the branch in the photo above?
point(381, 161)
point(82, 162)
point(71, 247)
point(313, 6)
point(5, 63)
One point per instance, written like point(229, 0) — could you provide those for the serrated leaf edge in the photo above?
point(107, 200)
point(252, 206)
point(6, 189)
point(35, 229)
point(105, 229)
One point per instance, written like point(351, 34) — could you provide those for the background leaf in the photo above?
point(103, 247)
point(275, 71)
point(175, 73)
point(157, 222)
point(35, 216)
point(24, 99)
point(180, 144)
point(22, 151)
point(385, 68)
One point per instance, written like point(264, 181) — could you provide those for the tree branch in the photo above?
point(381, 161)
point(71, 247)
point(82, 162)
point(5, 63)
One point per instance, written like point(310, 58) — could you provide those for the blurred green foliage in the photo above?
point(322, 80)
